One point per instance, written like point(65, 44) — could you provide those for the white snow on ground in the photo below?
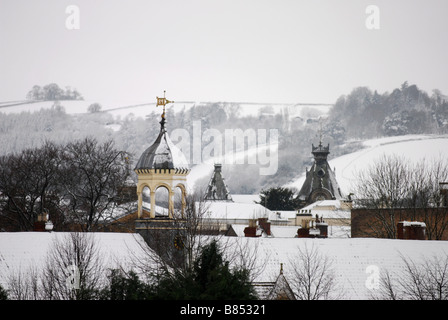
point(412, 147)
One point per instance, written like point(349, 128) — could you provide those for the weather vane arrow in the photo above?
point(163, 101)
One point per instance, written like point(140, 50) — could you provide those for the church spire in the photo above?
point(320, 182)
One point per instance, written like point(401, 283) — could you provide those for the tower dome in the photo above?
point(162, 154)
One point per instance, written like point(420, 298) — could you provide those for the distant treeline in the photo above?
point(52, 92)
point(406, 110)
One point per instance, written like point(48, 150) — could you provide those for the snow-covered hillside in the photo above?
point(70, 106)
point(143, 108)
point(412, 147)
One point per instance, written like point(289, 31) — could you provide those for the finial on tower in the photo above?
point(163, 102)
point(320, 131)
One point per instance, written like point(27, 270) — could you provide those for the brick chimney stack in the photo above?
point(252, 229)
point(39, 225)
point(411, 230)
point(263, 223)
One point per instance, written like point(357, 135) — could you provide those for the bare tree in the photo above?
point(394, 189)
point(312, 277)
point(93, 175)
point(173, 243)
point(196, 210)
point(426, 197)
point(426, 280)
point(73, 270)
point(245, 253)
point(29, 187)
point(383, 185)
point(387, 288)
point(25, 284)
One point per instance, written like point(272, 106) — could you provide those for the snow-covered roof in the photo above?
point(233, 210)
point(413, 223)
point(324, 203)
point(238, 229)
point(246, 198)
point(349, 258)
point(284, 215)
point(276, 231)
point(284, 231)
point(328, 209)
point(291, 231)
point(20, 251)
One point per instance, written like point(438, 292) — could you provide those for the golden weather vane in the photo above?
point(163, 102)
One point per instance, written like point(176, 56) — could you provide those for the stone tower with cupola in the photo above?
point(162, 165)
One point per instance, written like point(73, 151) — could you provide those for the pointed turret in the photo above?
point(217, 189)
point(320, 182)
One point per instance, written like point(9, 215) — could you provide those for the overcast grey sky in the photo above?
point(288, 51)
